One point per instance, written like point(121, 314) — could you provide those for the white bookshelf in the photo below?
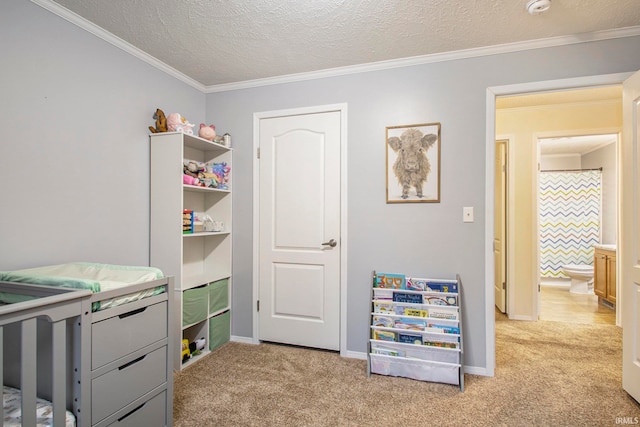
point(416, 328)
point(196, 260)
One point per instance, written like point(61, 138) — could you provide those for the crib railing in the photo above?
point(56, 306)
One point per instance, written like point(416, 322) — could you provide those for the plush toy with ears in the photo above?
point(177, 123)
point(161, 122)
point(207, 132)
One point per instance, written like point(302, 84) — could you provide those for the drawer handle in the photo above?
point(132, 313)
point(131, 413)
point(126, 365)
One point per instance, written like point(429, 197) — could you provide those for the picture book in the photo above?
point(414, 312)
point(432, 327)
point(410, 323)
point(383, 307)
point(383, 321)
point(383, 335)
point(441, 344)
point(386, 351)
point(443, 313)
point(409, 338)
point(382, 294)
point(416, 284)
point(390, 281)
point(442, 286)
point(407, 297)
point(440, 300)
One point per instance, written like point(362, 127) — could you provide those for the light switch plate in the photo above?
point(467, 214)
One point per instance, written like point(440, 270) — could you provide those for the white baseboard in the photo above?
point(521, 317)
point(477, 370)
point(244, 340)
point(354, 354)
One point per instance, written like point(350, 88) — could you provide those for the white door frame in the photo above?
point(490, 137)
point(342, 108)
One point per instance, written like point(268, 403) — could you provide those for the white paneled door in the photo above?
point(299, 236)
point(629, 249)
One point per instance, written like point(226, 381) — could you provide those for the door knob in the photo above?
point(331, 243)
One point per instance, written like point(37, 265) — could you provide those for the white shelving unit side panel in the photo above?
point(166, 205)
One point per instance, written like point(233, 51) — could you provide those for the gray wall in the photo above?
point(417, 239)
point(605, 158)
point(74, 150)
point(74, 155)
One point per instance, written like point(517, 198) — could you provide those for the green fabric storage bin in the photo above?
point(218, 295)
point(219, 330)
point(195, 304)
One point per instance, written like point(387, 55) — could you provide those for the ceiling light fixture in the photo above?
point(536, 7)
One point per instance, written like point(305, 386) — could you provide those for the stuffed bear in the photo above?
point(207, 132)
point(161, 122)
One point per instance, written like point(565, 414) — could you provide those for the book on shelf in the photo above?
point(187, 221)
point(390, 281)
point(410, 323)
point(443, 313)
point(407, 297)
point(440, 300)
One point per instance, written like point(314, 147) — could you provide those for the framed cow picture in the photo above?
point(413, 163)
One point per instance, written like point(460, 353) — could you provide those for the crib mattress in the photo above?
point(94, 277)
point(11, 399)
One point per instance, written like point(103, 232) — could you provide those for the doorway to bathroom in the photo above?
point(577, 119)
point(577, 213)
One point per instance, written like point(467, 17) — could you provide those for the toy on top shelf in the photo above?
point(177, 123)
point(161, 122)
point(207, 132)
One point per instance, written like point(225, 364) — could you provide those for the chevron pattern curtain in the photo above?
point(569, 219)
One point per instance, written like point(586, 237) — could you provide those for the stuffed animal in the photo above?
point(161, 122)
point(190, 180)
point(177, 123)
point(221, 172)
point(193, 169)
point(207, 132)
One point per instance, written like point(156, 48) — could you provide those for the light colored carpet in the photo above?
point(547, 374)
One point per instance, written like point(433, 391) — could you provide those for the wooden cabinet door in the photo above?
point(611, 278)
point(600, 274)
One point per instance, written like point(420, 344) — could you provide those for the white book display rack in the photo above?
point(416, 328)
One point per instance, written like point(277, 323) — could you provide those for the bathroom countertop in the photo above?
point(607, 247)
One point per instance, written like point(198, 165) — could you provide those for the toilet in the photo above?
point(581, 278)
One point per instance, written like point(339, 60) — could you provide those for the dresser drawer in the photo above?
point(121, 386)
point(152, 413)
point(118, 336)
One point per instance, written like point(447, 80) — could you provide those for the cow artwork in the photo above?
point(412, 168)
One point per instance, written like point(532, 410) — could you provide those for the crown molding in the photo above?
point(432, 58)
point(81, 22)
point(99, 32)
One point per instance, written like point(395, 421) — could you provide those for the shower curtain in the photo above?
point(569, 219)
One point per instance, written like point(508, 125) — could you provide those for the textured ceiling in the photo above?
point(224, 41)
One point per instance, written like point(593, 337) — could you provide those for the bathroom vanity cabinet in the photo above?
point(604, 274)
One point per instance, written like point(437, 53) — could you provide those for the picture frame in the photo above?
point(413, 163)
